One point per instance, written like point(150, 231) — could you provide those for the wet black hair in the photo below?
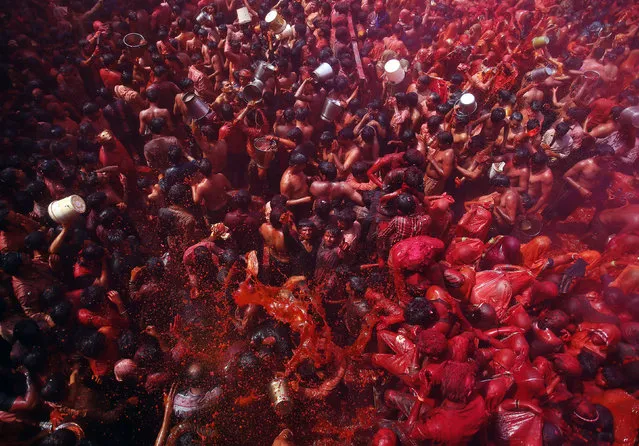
point(35, 241)
point(127, 344)
point(157, 125)
point(499, 180)
point(60, 437)
point(54, 389)
point(93, 297)
point(90, 343)
point(498, 114)
point(589, 364)
point(328, 170)
point(420, 312)
point(27, 333)
point(445, 138)
point(297, 159)
point(61, 312)
point(11, 263)
point(405, 203)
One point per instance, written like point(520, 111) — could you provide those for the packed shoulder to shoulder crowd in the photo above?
point(242, 222)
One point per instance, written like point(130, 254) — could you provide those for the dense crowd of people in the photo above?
point(327, 223)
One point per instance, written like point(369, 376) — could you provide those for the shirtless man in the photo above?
point(301, 121)
point(440, 165)
point(327, 187)
point(213, 149)
point(493, 125)
point(179, 108)
point(294, 184)
point(517, 170)
point(211, 192)
point(621, 220)
point(540, 182)
point(515, 129)
point(350, 151)
point(279, 260)
point(393, 164)
point(584, 179)
point(507, 203)
point(213, 61)
point(308, 96)
point(153, 111)
point(529, 94)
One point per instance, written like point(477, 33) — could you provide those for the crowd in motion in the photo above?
point(397, 222)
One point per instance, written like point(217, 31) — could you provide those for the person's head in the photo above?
point(328, 171)
point(91, 343)
point(195, 374)
point(297, 161)
point(148, 353)
point(60, 437)
point(12, 263)
point(157, 125)
point(539, 161)
point(532, 124)
point(413, 157)
point(497, 115)
point(458, 381)
point(181, 195)
point(93, 297)
point(153, 95)
point(562, 129)
point(28, 333)
point(515, 119)
point(54, 389)
point(61, 313)
point(521, 157)
point(345, 218)
point(420, 311)
point(431, 342)
point(305, 229)
point(554, 320)
point(445, 140)
point(500, 182)
point(604, 153)
point(405, 204)
point(322, 208)
point(610, 376)
point(589, 362)
point(241, 200)
point(332, 236)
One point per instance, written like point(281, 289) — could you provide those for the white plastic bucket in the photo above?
point(286, 34)
point(394, 71)
point(243, 16)
point(323, 73)
point(276, 22)
point(66, 210)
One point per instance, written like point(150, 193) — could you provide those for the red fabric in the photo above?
point(492, 287)
point(415, 253)
point(475, 223)
point(117, 157)
point(521, 428)
point(452, 426)
point(464, 251)
point(599, 111)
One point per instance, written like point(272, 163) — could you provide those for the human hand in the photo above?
point(151, 331)
point(114, 297)
point(170, 398)
point(176, 326)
